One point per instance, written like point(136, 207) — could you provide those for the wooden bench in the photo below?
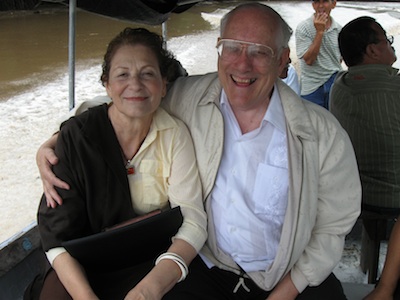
point(374, 230)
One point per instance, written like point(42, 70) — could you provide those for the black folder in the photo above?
point(128, 245)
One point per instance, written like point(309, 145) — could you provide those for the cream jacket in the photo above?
point(324, 187)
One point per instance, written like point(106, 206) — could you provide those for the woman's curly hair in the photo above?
point(140, 36)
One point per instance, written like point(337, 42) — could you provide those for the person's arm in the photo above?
point(184, 190)
point(73, 278)
point(45, 159)
point(285, 289)
point(338, 203)
point(391, 269)
point(164, 275)
point(320, 21)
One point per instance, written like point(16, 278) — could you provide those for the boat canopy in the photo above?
point(150, 12)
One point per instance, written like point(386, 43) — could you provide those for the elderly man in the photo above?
point(366, 101)
point(279, 175)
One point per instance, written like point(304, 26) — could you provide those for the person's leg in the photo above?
point(316, 97)
point(327, 90)
point(53, 288)
point(330, 289)
point(114, 285)
point(214, 284)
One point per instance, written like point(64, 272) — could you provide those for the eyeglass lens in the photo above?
point(231, 50)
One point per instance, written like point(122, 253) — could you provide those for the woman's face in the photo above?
point(135, 83)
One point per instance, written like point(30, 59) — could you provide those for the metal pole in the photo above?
point(71, 53)
point(164, 33)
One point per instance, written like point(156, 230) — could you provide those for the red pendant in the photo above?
point(130, 170)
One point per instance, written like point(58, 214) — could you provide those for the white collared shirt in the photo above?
point(250, 195)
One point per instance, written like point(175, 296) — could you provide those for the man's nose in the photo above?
point(244, 56)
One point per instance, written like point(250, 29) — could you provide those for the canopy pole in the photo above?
point(164, 33)
point(71, 53)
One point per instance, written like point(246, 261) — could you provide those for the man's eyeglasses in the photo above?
point(389, 39)
point(230, 50)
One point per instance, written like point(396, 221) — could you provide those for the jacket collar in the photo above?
point(213, 92)
point(297, 115)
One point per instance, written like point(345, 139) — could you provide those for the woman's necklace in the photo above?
point(130, 169)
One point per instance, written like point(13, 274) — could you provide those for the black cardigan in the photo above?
point(91, 163)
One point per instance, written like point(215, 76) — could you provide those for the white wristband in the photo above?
point(178, 260)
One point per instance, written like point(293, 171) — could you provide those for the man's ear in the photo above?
point(284, 59)
point(372, 52)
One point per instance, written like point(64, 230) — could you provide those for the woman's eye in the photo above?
point(148, 74)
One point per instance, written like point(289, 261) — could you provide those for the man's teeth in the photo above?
point(244, 81)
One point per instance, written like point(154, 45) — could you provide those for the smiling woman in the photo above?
point(144, 161)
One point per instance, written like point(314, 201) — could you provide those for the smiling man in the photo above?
point(318, 51)
point(279, 175)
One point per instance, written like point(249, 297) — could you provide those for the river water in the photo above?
point(34, 77)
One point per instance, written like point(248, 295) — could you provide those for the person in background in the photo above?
point(121, 160)
point(388, 287)
point(279, 174)
point(290, 77)
point(366, 101)
point(318, 52)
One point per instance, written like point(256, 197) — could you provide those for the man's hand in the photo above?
point(284, 290)
point(45, 159)
point(321, 22)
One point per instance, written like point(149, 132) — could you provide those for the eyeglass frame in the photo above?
point(389, 39)
point(242, 44)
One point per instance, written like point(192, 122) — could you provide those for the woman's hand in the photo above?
point(143, 291)
point(45, 159)
point(163, 276)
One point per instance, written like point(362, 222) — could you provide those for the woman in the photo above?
point(121, 160)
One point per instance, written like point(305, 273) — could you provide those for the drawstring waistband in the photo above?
point(240, 284)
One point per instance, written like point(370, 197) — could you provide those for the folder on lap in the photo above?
point(127, 244)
